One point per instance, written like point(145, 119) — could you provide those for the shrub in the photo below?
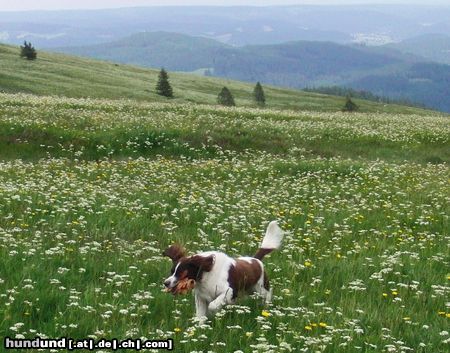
point(28, 51)
point(349, 105)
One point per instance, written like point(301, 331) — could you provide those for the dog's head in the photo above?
point(183, 267)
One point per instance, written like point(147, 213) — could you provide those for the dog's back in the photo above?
point(243, 275)
point(219, 279)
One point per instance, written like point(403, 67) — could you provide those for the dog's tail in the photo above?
point(272, 240)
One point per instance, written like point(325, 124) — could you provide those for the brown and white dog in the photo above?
point(219, 279)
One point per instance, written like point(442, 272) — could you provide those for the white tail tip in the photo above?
point(273, 237)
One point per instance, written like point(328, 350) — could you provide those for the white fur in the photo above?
point(213, 291)
point(172, 280)
point(273, 237)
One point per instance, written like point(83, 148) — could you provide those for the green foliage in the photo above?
point(349, 105)
point(259, 95)
point(225, 98)
point(163, 87)
point(27, 51)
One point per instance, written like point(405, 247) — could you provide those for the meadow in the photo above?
point(92, 191)
point(70, 76)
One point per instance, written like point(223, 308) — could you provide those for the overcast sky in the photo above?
point(8, 5)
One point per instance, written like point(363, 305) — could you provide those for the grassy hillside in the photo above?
point(107, 185)
point(33, 127)
point(381, 70)
point(58, 74)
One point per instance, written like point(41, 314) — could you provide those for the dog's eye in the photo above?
point(172, 270)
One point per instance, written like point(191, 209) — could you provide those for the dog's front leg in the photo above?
point(201, 308)
point(220, 301)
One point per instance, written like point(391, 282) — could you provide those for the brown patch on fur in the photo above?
point(183, 275)
point(262, 252)
point(193, 267)
point(175, 252)
point(243, 276)
point(203, 263)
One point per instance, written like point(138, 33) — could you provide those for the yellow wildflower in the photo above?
point(265, 313)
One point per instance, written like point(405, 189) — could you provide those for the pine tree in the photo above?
point(258, 94)
point(163, 87)
point(28, 51)
point(349, 105)
point(225, 98)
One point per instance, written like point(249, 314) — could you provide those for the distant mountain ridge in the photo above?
point(380, 70)
point(234, 25)
point(173, 51)
point(434, 47)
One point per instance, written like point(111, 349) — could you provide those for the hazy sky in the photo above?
point(8, 5)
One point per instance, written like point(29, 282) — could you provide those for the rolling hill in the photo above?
point(434, 47)
point(174, 51)
point(64, 75)
point(382, 70)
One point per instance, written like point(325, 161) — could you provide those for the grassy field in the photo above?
point(92, 191)
point(69, 76)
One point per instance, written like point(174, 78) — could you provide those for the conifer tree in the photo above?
point(163, 87)
point(349, 105)
point(225, 98)
point(258, 94)
point(28, 51)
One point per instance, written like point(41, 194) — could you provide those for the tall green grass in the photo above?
point(92, 192)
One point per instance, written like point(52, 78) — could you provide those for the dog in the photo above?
point(220, 279)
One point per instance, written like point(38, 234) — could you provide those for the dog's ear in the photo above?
point(175, 252)
point(203, 263)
